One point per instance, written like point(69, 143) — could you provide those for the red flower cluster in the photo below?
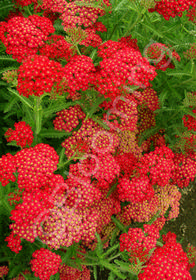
point(71, 273)
point(190, 121)
point(39, 75)
point(191, 53)
point(167, 262)
point(57, 48)
point(149, 98)
point(138, 243)
point(23, 134)
point(74, 15)
point(35, 166)
point(24, 3)
point(7, 168)
point(29, 214)
point(184, 170)
point(158, 165)
point(161, 56)
point(78, 74)
point(120, 68)
point(45, 263)
point(172, 8)
point(122, 114)
point(68, 119)
point(3, 271)
point(23, 36)
point(135, 190)
point(14, 242)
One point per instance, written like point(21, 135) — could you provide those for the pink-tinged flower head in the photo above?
point(161, 56)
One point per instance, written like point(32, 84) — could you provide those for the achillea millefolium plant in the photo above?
point(98, 137)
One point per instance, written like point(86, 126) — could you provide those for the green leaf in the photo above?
point(99, 248)
point(113, 268)
point(52, 133)
point(56, 107)
point(23, 99)
point(10, 104)
point(95, 272)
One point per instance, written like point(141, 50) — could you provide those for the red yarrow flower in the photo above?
point(45, 263)
point(23, 36)
point(23, 134)
point(39, 75)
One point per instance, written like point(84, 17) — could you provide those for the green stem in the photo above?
point(78, 49)
point(71, 158)
point(38, 117)
point(114, 257)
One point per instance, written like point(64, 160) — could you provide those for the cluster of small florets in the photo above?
point(10, 77)
point(139, 212)
point(23, 36)
point(190, 121)
point(170, 8)
point(184, 170)
point(167, 262)
point(121, 68)
point(123, 114)
point(191, 14)
point(35, 166)
point(39, 75)
point(24, 3)
point(3, 271)
point(29, 215)
point(135, 190)
point(71, 273)
point(45, 263)
point(161, 56)
point(127, 162)
point(14, 242)
point(158, 165)
point(146, 119)
point(23, 134)
point(92, 39)
point(191, 52)
point(78, 74)
point(169, 197)
point(68, 119)
point(138, 243)
point(74, 15)
point(149, 98)
point(81, 141)
point(7, 168)
point(57, 48)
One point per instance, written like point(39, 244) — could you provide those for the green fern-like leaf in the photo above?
point(51, 133)
point(5, 7)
